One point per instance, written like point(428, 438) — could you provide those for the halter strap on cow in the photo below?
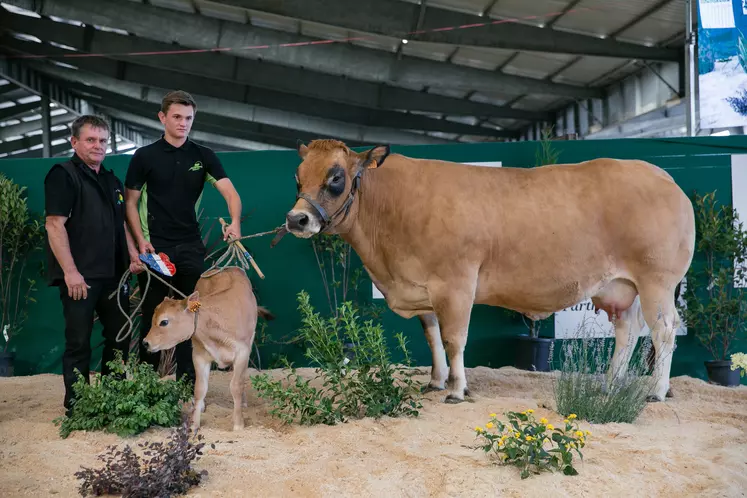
point(326, 219)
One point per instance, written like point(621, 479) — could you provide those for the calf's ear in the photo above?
point(192, 299)
point(375, 157)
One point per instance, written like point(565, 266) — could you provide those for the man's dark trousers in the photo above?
point(189, 260)
point(79, 325)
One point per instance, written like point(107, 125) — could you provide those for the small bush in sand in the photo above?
point(166, 471)
point(353, 360)
point(128, 401)
point(531, 445)
point(584, 387)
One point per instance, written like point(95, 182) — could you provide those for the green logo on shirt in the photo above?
point(196, 166)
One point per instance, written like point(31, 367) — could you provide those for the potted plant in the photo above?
point(533, 351)
point(19, 236)
point(715, 307)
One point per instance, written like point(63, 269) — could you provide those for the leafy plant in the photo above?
point(739, 360)
point(167, 470)
point(533, 446)
point(361, 382)
point(584, 387)
point(20, 236)
point(715, 306)
point(128, 401)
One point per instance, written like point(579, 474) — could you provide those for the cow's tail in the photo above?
point(265, 313)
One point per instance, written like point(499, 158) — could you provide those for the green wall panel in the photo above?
point(266, 183)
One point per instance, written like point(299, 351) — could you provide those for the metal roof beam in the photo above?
point(393, 17)
point(195, 71)
point(29, 126)
point(206, 121)
point(218, 98)
point(341, 59)
point(35, 82)
point(261, 75)
point(18, 109)
point(28, 142)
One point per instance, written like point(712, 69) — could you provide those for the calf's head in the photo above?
point(326, 181)
point(173, 322)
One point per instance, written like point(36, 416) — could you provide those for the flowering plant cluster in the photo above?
point(739, 360)
point(533, 445)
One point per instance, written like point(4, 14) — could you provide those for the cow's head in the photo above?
point(173, 322)
point(327, 181)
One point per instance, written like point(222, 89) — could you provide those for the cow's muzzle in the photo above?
point(301, 223)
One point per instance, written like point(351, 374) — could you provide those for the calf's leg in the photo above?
point(202, 375)
point(439, 370)
point(237, 386)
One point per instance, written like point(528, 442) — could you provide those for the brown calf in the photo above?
point(220, 317)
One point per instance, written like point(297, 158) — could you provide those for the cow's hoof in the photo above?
point(429, 389)
point(652, 398)
point(669, 393)
point(452, 399)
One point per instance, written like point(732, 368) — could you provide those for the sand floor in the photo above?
point(693, 445)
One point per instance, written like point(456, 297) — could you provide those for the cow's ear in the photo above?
point(376, 156)
point(302, 149)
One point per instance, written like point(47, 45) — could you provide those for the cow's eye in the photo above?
point(336, 181)
point(164, 323)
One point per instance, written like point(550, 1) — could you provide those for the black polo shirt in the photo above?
point(171, 181)
point(94, 205)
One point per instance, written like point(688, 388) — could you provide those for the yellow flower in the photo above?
point(529, 438)
point(543, 420)
point(566, 421)
point(579, 434)
point(530, 411)
point(572, 416)
point(478, 429)
point(489, 425)
point(588, 433)
point(550, 427)
point(493, 415)
point(518, 434)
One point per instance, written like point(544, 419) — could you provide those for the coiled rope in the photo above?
point(234, 250)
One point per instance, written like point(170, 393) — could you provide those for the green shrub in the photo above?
point(533, 445)
point(583, 388)
point(128, 401)
point(353, 360)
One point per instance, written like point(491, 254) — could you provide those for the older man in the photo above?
point(88, 248)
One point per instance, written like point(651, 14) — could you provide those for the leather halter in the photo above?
point(326, 219)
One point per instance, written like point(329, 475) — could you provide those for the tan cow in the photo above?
point(437, 237)
point(220, 317)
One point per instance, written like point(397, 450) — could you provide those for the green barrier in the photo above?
point(266, 183)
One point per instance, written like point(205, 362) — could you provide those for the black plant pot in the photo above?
point(533, 353)
point(6, 364)
point(720, 372)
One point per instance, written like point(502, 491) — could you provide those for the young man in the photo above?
point(88, 248)
point(164, 185)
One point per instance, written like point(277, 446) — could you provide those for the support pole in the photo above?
point(46, 124)
point(690, 69)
